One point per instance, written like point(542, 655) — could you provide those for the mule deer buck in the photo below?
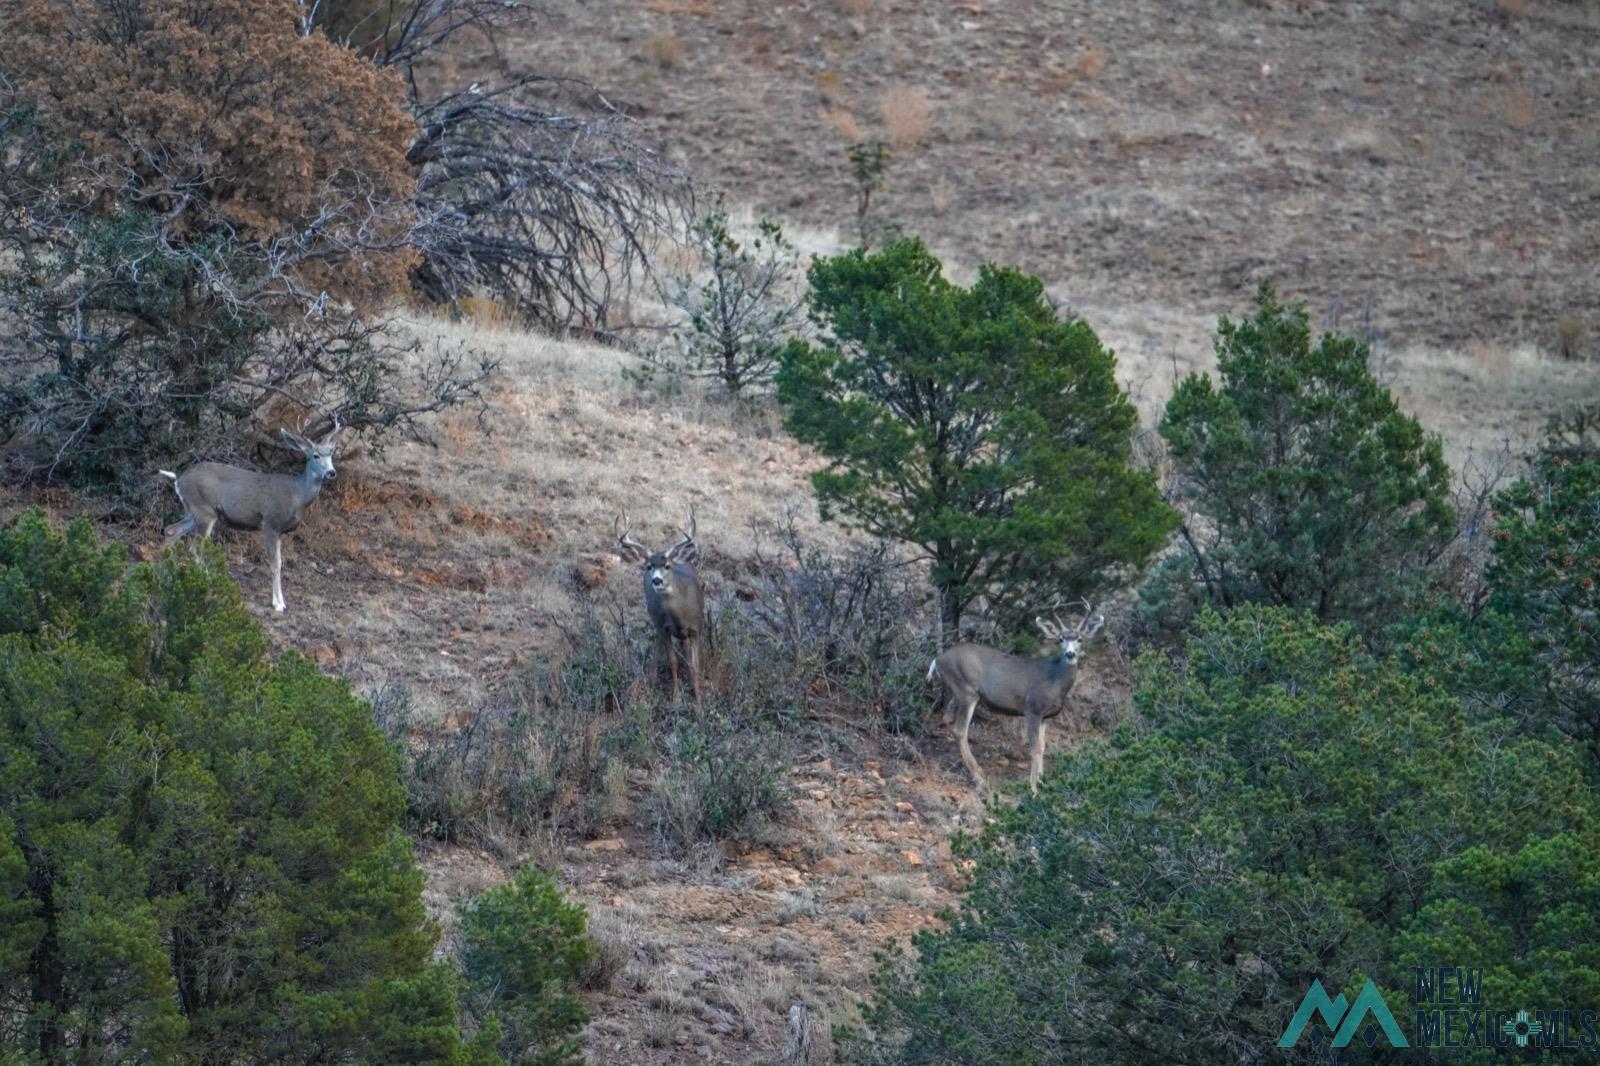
point(672, 596)
point(1036, 689)
point(246, 499)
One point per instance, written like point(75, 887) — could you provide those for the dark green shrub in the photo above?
point(719, 781)
point(1282, 817)
point(524, 951)
point(201, 856)
point(1526, 913)
point(1309, 487)
point(1543, 575)
point(971, 423)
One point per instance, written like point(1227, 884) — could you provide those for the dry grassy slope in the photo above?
point(1434, 159)
point(441, 566)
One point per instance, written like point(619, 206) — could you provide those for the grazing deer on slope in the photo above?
point(1033, 688)
point(246, 499)
point(672, 596)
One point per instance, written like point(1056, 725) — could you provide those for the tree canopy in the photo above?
point(1311, 488)
point(201, 857)
point(972, 423)
point(1291, 808)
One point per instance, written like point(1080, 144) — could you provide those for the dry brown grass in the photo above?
point(907, 116)
point(665, 51)
point(829, 86)
point(845, 124)
point(1090, 64)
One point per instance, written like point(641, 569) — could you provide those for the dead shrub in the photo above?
point(665, 51)
point(1572, 338)
point(907, 116)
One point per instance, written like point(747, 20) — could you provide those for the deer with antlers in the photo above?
point(1035, 689)
point(247, 499)
point(672, 596)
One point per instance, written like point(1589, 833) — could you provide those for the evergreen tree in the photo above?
point(1291, 809)
point(972, 423)
point(200, 849)
point(1312, 488)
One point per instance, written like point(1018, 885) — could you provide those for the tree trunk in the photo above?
point(950, 607)
point(49, 974)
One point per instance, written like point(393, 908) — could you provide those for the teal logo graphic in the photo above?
point(1522, 1028)
point(1343, 1019)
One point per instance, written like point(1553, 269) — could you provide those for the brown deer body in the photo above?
point(673, 598)
point(1035, 689)
point(247, 499)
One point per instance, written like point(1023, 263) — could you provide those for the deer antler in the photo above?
point(623, 538)
point(1051, 632)
point(1091, 622)
point(688, 534)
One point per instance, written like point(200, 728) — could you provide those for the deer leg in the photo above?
point(672, 661)
point(177, 530)
point(966, 749)
point(1035, 728)
point(693, 647)
point(275, 559)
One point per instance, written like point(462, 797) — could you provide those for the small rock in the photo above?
point(608, 844)
point(913, 858)
point(905, 808)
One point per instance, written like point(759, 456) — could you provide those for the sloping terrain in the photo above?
point(1423, 172)
point(1427, 168)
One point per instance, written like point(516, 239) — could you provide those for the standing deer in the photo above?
point(246, 499)
point(672, 596)
point(1033, 688)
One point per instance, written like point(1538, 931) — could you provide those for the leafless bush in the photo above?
point(158, 291)
point(847, 625)
point(552, 755)
point(546, 210)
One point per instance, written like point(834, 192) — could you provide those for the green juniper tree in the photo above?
point(1291, 808)
point(201, 857)
point(741, 313)
point(972, 423)
point(524, 949)
point(1311, 487)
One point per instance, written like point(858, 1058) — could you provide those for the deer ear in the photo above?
point(295, 440)
point(630, 553)
point(685, 551)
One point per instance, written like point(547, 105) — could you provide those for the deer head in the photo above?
point(660, 566)
point(319, 454)
point(1071, 639)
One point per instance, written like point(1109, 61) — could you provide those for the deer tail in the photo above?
point(933, 668)
point(168, 473)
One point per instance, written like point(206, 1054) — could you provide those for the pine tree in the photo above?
point(200, 849)
point(973, 424)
